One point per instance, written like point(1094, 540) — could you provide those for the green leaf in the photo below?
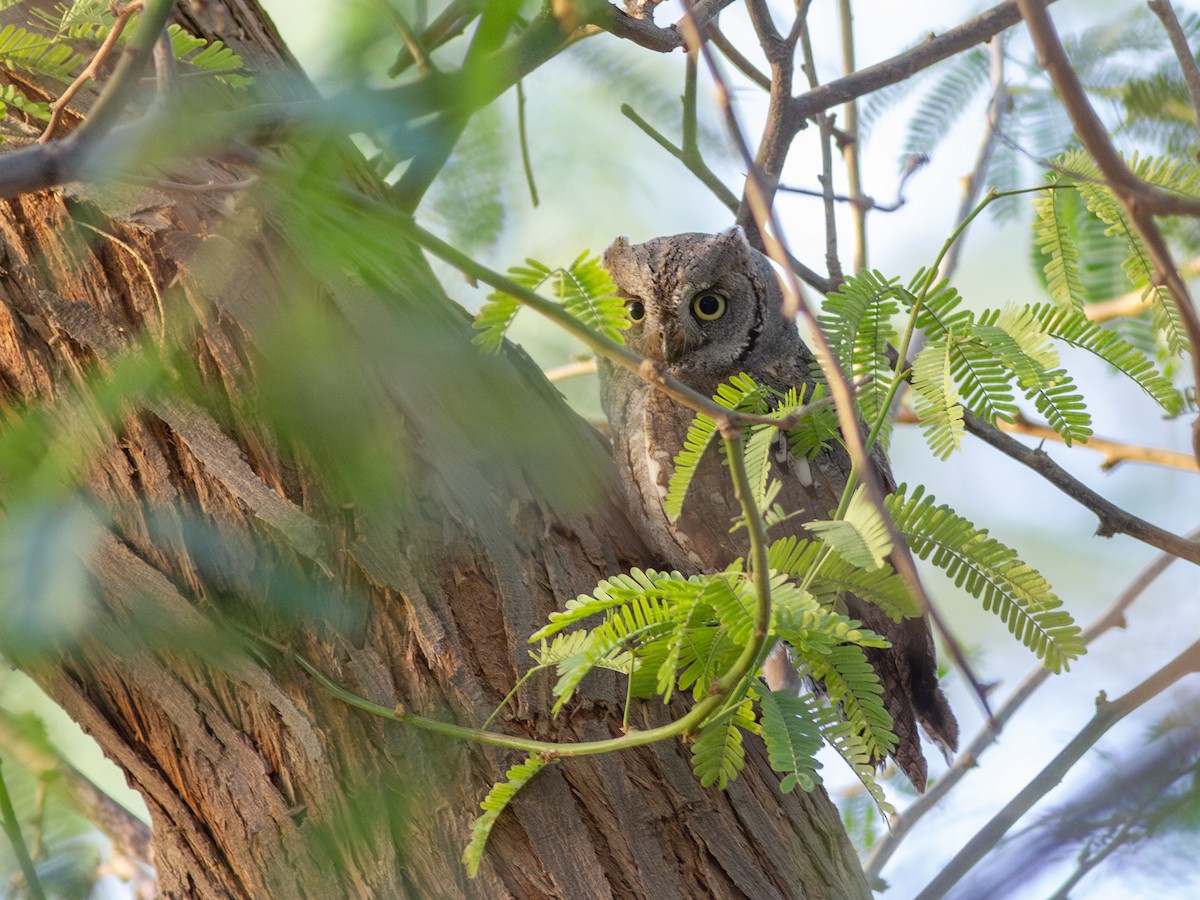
point(989, 570)
point(497, 799)
point(1052, 235)
point(37, 53)
point(850, 682)
point(1077, 330)
point(717, 752)
point(860, 537)
point(792, 738)
point(935, 398)
point(588, 293)
point(857, 319)
point(740, 393)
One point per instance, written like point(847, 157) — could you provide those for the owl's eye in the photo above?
point(708, 306)
point(637, 311)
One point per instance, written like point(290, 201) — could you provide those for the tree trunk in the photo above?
point(214, 505)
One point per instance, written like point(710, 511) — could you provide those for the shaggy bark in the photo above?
point(259, 783)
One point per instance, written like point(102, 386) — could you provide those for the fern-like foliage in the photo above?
point(718, 754)
point(828, 576)
point(790, 732)
point(11, 98)
point(1052, 236)
point(1175, 175)
point(497, 799)
point(740, 393)
point(860, 537)
point(935, 398)
point(1077, 330)
point(33, 52)
point(990, 571)
point(978, 361)
point(857, 319)
point(842, 737)
point(743, 394)
point(584, 288)
point(958, 82)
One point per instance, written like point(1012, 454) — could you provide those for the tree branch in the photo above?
point(1113, 617)
point(1141, 201)
point(1113, 519)
point(1108, 714)
point(842, 90)
point(1187, 60)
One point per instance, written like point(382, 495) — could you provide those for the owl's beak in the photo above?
point(672, 345)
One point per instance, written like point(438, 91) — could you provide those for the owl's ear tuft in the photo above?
point(736, 234)
point(616, 250)
point(733, 241)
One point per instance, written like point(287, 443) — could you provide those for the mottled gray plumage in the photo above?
point(710, 308)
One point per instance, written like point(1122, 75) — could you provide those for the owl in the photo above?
point(709, 307)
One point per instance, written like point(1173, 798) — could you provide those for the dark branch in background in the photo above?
point(1187, 59)
point(1140, 200)
point(1113, 519)
point(914, 161)
point(1113, 617)
point(795, 303)
point(1108, 713)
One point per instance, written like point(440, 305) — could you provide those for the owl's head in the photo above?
point(703, 304)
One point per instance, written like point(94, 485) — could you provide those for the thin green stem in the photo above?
point(731, 434)
point(516, 687)
point(548, 749)
point(12, 828)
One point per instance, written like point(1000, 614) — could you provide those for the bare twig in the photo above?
point(735, 57)
point(571, 370)
point(1113, 519)
point(1115, 452)
point(983, 27)
point(795, 304)
point(60, 106)
point(12, 829)
point(412, 42)
point(1108, 713)
point(1141, 201)
point(859, 204)
point(833, 263)
point(1187, 59)
point(1113, 617)
point(523, 136)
